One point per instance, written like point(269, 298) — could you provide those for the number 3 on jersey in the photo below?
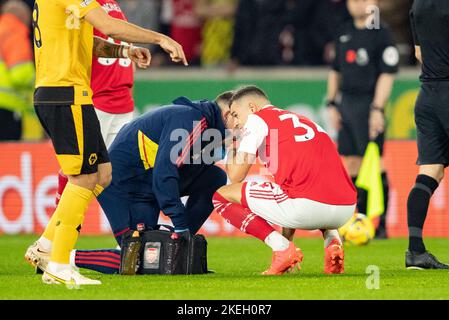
point(110, 61)
point(310, 133)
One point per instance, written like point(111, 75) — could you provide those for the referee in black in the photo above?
point(359, 87)
point(430, 26)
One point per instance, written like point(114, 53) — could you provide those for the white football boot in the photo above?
point(71, 278)
point(37, 256)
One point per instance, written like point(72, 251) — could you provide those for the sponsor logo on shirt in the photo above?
point(362, 57)
point(345, 38)
point(85, 3)
point(109, 7)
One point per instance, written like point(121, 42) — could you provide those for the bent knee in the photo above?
point(220, 178)
point(231, 192)
point(87, 181)
point(434, 171)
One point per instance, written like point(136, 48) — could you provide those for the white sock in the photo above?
point(72, 258)
point(277, 241)
point(45, 243)
point(55, 267)
point(330, 235)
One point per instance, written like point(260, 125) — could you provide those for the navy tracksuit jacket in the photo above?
point(151, 170)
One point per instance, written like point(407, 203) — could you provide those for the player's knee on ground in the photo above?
point(87, 181)
point(105, 174)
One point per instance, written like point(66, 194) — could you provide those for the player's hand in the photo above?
point(376, 123)
point(334, 117)
point(174, 49)
point(141, 56)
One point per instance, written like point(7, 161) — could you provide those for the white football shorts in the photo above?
point(111, 124)
point(267, 200)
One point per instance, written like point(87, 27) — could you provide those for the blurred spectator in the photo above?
point(396, 16)
point(144, 13)
point(186, 29)
point(30, 3)
point(218, 30)
point(16, 68)
point(328, 16)
point(258, 26)
point(299, 19)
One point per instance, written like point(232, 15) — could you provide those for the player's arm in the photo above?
point(415, 37)
point(388, 63)
point(238, 165)
point(384, 86)
point(241, 159)
point(333, 85)
point(333, 88)
point(382, 94)
point(166, 169)
point(125, 31)
point(418, 53)
point(106, 49)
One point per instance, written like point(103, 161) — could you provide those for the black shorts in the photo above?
point(432, 123)
point(76, 136)
point(353, 136)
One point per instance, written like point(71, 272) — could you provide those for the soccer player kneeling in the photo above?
point(311, 191)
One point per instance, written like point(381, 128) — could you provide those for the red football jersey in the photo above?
point(112, 79)
point(303, 159)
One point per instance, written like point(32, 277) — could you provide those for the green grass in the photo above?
point(237, 263)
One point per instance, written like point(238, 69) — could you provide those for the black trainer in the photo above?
point(424, 260)
point(381, 233)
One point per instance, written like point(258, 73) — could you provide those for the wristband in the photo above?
point(125, 52)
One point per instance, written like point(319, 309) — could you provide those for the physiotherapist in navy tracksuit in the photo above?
point(152, 168)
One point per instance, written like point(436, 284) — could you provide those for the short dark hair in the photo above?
point(225, 97)
point(246, 91)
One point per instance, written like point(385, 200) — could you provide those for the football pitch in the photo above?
point(237, 263)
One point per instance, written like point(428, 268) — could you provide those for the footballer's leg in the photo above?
point(312, 215)
point(231, 202)
point(123, 213)
point(105, 261)
point(75, 133)
point(432, 135)
point(333, 252)
point(38, 254)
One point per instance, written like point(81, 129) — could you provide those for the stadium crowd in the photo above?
point(289, 32)
point(299, 32)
